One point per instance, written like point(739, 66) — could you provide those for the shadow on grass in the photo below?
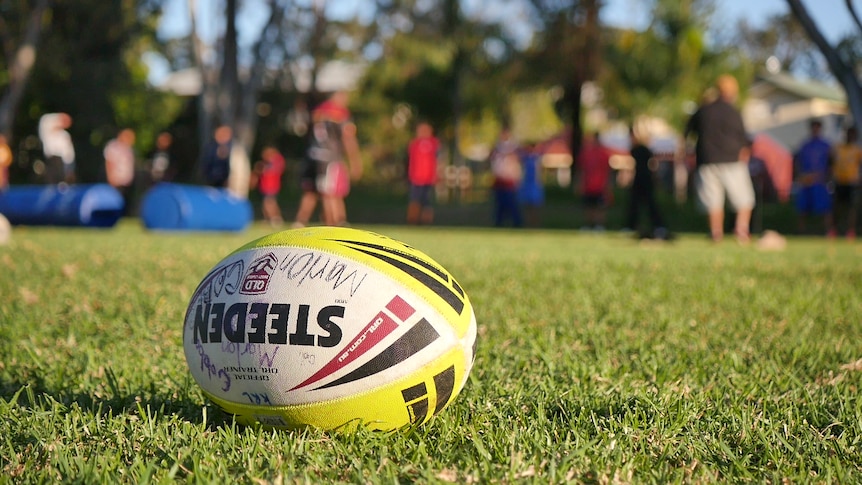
point(151, 403)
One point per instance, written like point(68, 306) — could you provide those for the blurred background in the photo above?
point(551, 70)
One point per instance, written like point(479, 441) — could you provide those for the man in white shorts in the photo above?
point(722, 154)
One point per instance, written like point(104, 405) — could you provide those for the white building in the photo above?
point(782, 106)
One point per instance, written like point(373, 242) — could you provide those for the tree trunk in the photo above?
point(246, 124)
point(206, 102)
point(854, 15)
point(453, 29)
point(457, 106)
point(229, 92)
point(587, 59)
point(315, 48)
point(20, 68)
point(573, 95)
point(839, 68)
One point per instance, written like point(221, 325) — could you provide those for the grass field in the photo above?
point(600, 360)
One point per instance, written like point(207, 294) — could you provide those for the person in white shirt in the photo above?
point(57, 147)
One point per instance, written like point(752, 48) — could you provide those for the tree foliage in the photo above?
point(88, 64)
point(424, 59)
point(287, 53)
point(439, 65)
point(409, 82)
point(568, 49)
point(20, 33)
point(782, 38)
point(664, 70)
point(842, 63)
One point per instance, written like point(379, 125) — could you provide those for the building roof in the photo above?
point(333, 76)
point(808, 89)
point(184, 82)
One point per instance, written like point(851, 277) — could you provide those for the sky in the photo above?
point(830, 15)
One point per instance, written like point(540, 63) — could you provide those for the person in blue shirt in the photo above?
point(531, 192)
point(812, 162)
point(508, 172)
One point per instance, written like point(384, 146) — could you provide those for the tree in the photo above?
point(224, 97)
point(842, 68)
point(571, 43)
point(437, 63)
point(295, 42)
point(663, 71)
point(411, 80)
point(89, 64)
point(782, 38)
point(20, 49)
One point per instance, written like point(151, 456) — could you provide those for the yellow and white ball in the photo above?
point(330, 327)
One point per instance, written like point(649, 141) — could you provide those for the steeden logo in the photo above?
point(256, 281)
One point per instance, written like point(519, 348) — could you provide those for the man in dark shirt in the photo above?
point(642, 191)
point(216, 157)
point(722, 153)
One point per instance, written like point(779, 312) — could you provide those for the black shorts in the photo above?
point(847, 194)
point(423, 194)
point(308, 175)
point(593, 200)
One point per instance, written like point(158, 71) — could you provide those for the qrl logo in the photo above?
point(256, 281)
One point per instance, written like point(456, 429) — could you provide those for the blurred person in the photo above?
point(310, 196)
point(268, 172)
point(642, 192)
point(160, 162)
point(594, 163)
point(507, 172)
point(5, 162)
point(812, 162)
point(531, 191)
point(332, 160)
point(722, 152)
point(847, 162)
point(57, 147)
point(120, 164)
point(216, 157)
point(422, 153)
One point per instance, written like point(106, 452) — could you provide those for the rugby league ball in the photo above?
point(331, 328)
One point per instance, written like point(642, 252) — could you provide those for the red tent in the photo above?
point(778, 162)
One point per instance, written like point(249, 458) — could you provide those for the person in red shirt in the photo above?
point(422, 155)
point(269, 172)
point(593, 160)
